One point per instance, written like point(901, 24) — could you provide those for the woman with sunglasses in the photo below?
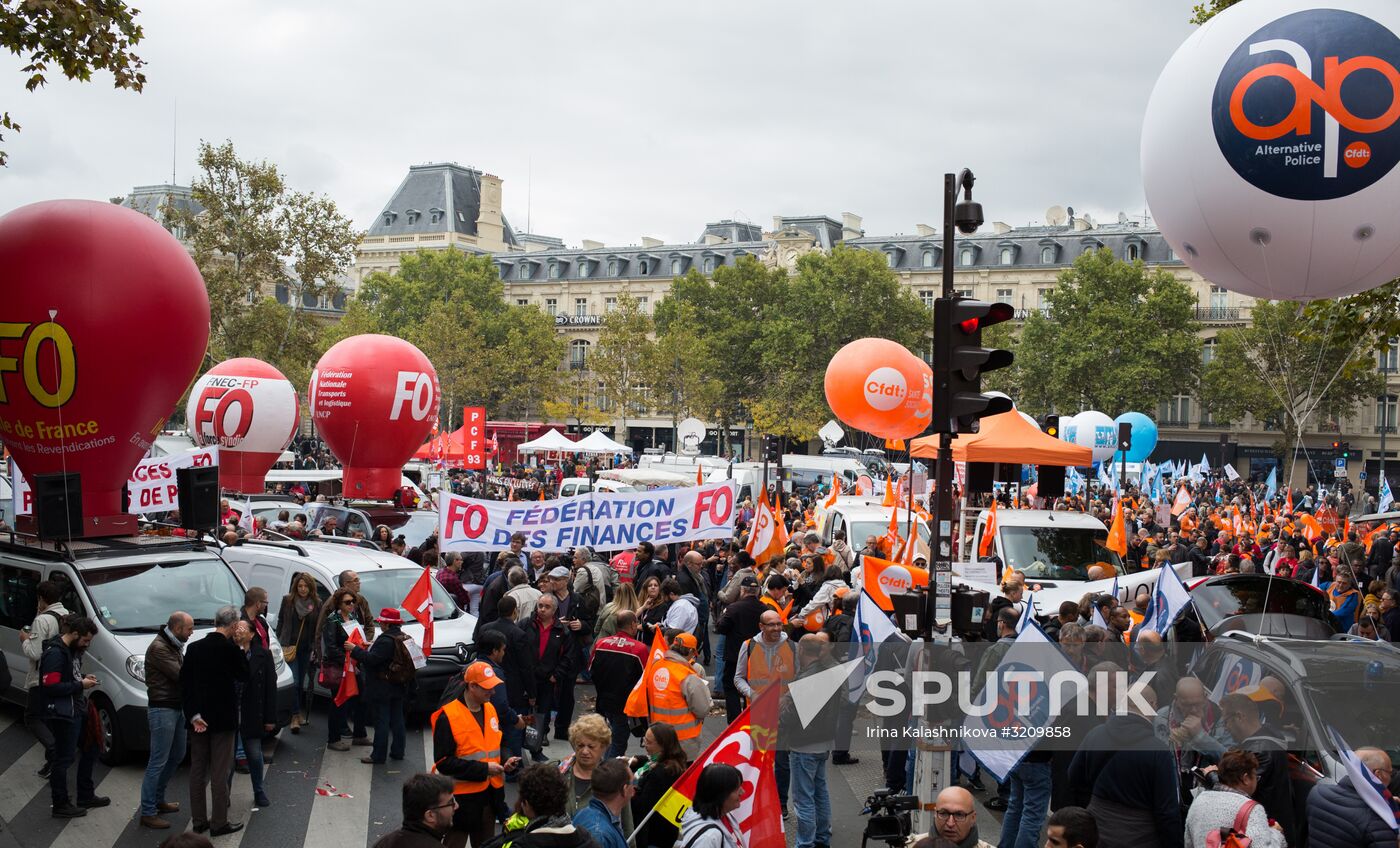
point(342, 609)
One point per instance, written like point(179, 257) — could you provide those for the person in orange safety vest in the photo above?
point(678, 694)
point(467, 748)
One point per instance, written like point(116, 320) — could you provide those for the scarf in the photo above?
point(170, 634)
point(304, 606)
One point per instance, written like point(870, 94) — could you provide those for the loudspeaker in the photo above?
point(979, 477)
point(1052, 481)
point(58, 505)
point(1008, 472)
point(199, 497)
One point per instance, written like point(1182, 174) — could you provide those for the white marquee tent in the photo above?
point(598, 442)
point(551, 442)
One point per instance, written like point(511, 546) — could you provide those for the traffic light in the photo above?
point(959, 361)
point(1344, 450)
point(1051, 425)
point(772, 448)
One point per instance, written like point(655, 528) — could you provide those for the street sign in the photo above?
point(1340, 463)
point(1361, 475)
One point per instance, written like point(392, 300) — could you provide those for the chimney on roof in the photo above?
point(777, 223)
point(1083, 223)
point(490, 227)
point(590, 244)
point(648, 241)
point(712, 238)
point(850, 226)
point(1001, 228)
point(926, 230)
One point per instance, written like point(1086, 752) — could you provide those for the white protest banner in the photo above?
point(607, 521)
point(152, 483)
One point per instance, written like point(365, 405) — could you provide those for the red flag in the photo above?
point(419, 603)
point(349, 684)
point(745, 744)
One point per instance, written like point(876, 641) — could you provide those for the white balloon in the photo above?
point(1096, 431)
point(1029, 420)
point(1069, 426)
point(1265, 199)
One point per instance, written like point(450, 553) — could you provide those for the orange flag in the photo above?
point(989, 532)
point(1312, 528)
point(542, 492)
point(1182, 501)
point(890, 541)
point(890, 499)
point(769, 538)
point(699, 475)
point(1117, 532)
point(881, 577)
point(636, 705)
point(835, 492)
point(1288, 504)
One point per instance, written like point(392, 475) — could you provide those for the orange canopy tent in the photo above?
point(1008, 438)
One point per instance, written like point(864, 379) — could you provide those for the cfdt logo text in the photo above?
point(1306, 107)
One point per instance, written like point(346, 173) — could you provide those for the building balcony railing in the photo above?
point(1178, 423)
point(1389, 429)
point(1222, 314)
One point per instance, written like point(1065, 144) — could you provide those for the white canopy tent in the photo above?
point(551, 442)
point(598, 442)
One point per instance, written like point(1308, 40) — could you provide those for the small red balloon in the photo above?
point(374, 400)
point(249, 409)
point(104, 319)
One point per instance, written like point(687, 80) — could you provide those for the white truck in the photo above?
point(1055, 550)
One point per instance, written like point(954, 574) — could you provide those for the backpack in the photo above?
point(400, 670)
point(1233, 837)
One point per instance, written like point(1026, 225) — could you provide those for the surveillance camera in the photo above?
point(967, 217)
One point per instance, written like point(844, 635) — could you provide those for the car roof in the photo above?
point(334, 557)
point(1042, 517)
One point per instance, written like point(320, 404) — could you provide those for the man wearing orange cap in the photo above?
point(678, 694)
point(467, 748)
point(1244, 713)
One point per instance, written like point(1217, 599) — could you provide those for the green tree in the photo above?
point(1290, 369)
point(577, 403)
point(683, 371)
point(253, 236)
point(621, 359)
point(1202, 12)
point(1115, 337)
point(452, 306)
point(79, 36)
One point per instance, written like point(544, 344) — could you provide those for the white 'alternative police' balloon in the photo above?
point(1269, 148)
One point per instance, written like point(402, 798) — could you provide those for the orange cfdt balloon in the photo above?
point(878, 386)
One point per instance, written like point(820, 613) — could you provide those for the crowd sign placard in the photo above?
point(474, 439)
point(607, 521)
point(152, 484)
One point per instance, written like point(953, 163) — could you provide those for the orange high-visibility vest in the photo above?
point(782, 611)
point(762, 673)
point(667, 701)
point(474, 742)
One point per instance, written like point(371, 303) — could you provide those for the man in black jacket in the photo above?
point(385, 689)
point(212, 667)
point(64, 708)
point(517, 669)
point(738, 624)
point(427, 813)
point(553, 648)
point(1243, 714)
point(257, 705)
point(617, 664)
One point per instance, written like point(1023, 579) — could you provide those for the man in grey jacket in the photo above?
point(31, 641)
point(166, 717)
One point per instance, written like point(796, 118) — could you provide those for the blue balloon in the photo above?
point(1144, 435)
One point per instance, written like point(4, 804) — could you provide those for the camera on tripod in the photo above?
point(889, 817)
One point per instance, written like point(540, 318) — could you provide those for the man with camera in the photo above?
point(954, 820)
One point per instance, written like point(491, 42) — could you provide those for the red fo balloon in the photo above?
point(103, 321)
point(374, 400)
point(249, 409)
point(878, 386)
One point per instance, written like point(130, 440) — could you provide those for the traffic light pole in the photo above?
point(940, 537)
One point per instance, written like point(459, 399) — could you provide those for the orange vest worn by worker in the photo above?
point(783, 611)
point(474, 742)
point(667, 701)
point(763, 671)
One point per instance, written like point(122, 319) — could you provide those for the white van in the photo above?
point(384, 581)
point(129, 587)
point(572, 486)
point(806, 470)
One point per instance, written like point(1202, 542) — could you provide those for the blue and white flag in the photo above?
point(1169, 600)
point(1106, 477)
point(1028, 613)
point(1205, 464)
point(870, 629)
point(1236, 674)
point(1096, 618)
point(1317, 576)
point(1387, 499)
point(1364, 782)
point(1271, 484)
point(1114, 590)
point(1158, 493)
point(987, 737)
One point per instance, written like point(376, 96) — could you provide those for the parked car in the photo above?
point(129, 587)
point(1261, 604)
point(385, 580)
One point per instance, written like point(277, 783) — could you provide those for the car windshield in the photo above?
point(413, 526)
point(1354, 688)
point(1219, 599)
point(140, 598)
point(1056, 553)
point(387, 587)
point(862, 530)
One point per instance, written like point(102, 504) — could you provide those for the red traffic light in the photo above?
point(990, 313)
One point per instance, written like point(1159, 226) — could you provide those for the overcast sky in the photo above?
point(625, 119)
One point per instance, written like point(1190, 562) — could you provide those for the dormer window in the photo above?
point(709, 265)
point(583, 268)
point(1007, 256)
point(389, 216)
point(413, 216)
point(612, 267)
point(554, 270)
point(1134, 248)
point(1047, 256)
point(890, 259)
point(927, 260)
point(523, 271)
point(435, 215)
point(966, 257)
point(644, 267)
point(676, 267)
